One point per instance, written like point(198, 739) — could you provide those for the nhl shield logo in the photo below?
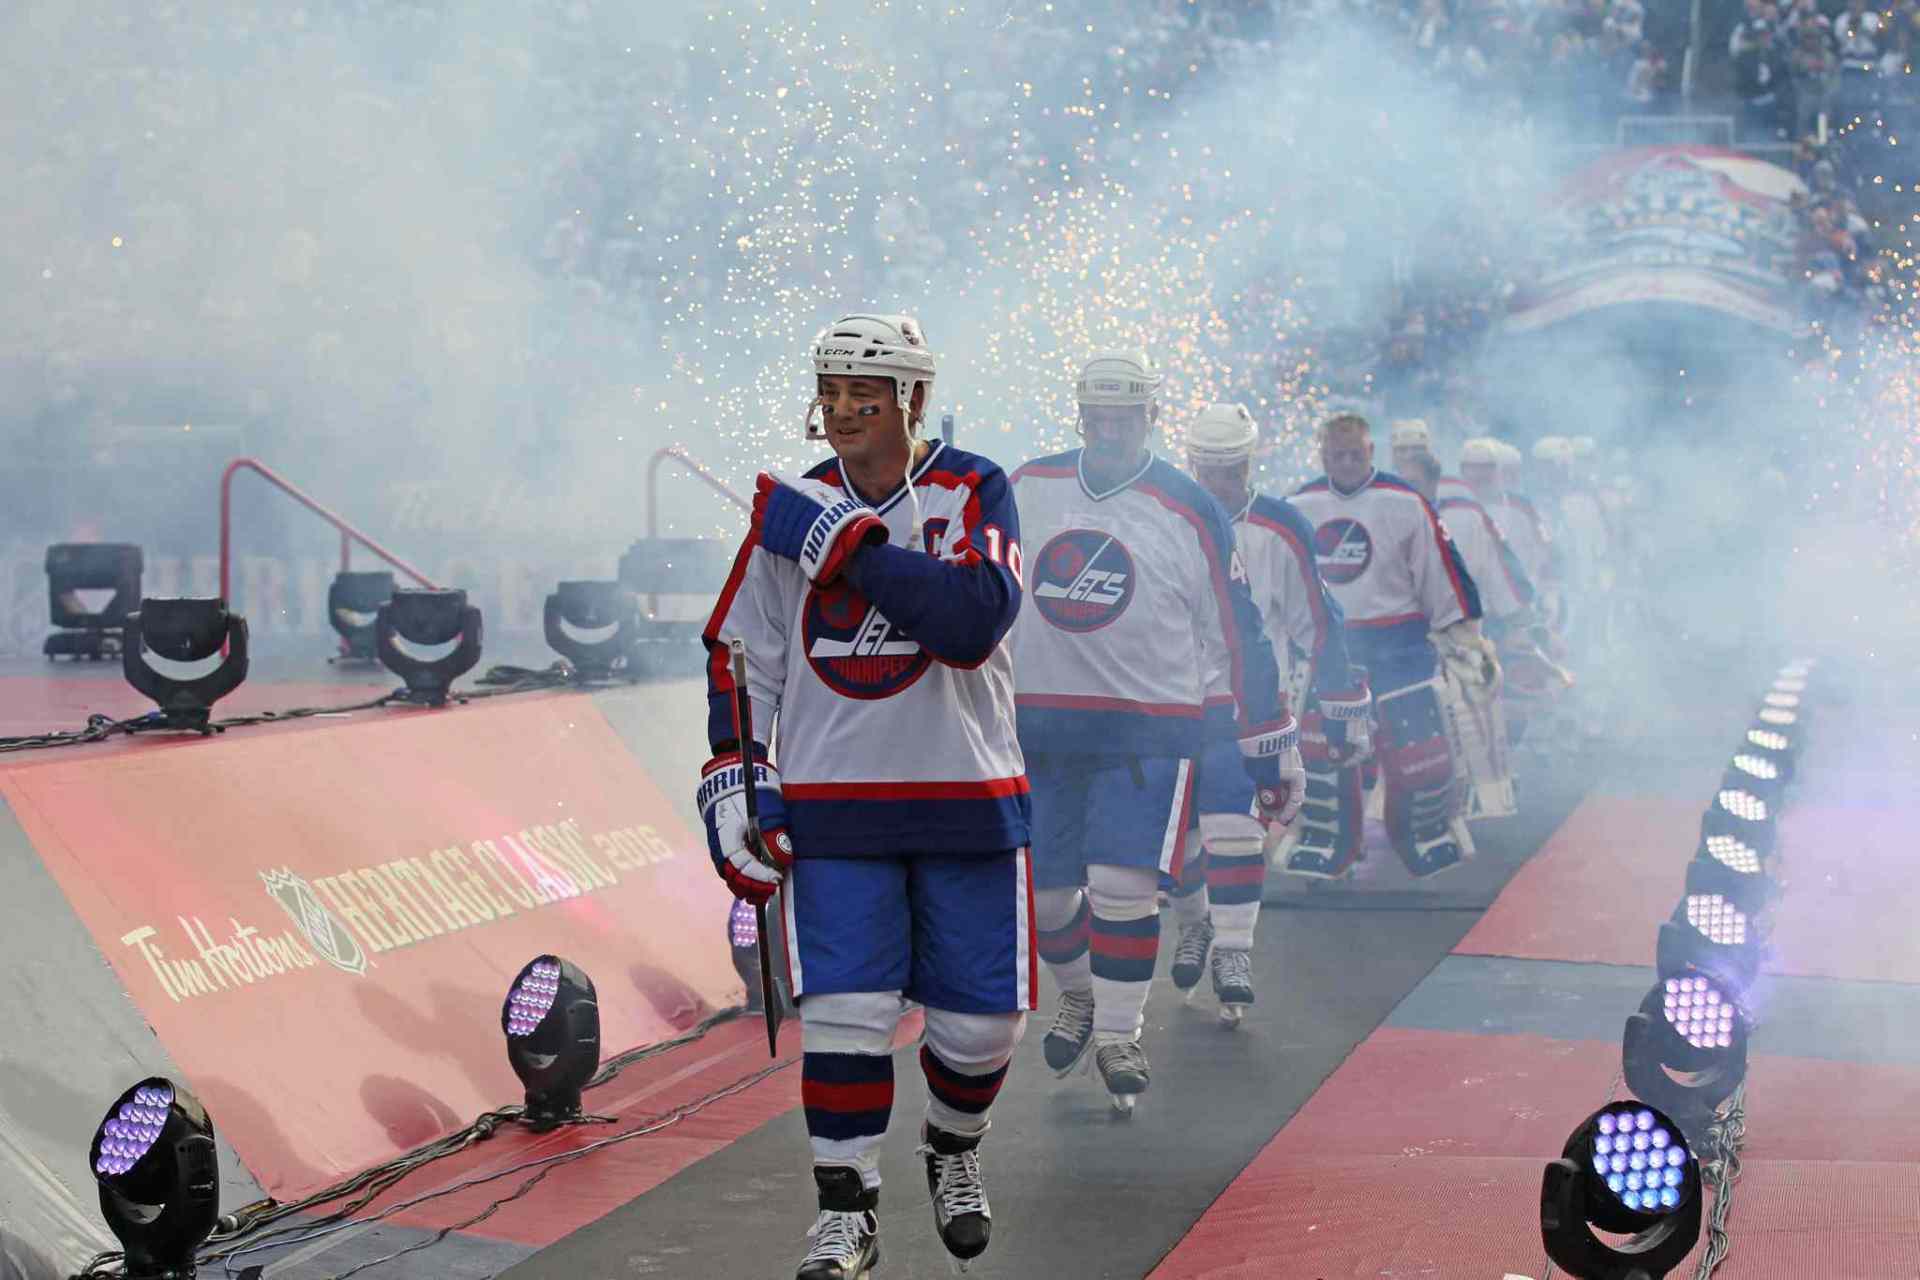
point(1084, 580)
point(852, 647)
point(331, 940)
point(1343, 548)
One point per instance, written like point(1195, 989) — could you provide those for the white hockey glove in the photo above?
point(1279, 775)
point(723, 804)
point(1470, 657)
point(1349, 725)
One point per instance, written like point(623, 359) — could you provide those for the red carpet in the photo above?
point(1600, 888)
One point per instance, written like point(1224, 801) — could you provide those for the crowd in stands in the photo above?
point(1795, 61)
point(611, 161)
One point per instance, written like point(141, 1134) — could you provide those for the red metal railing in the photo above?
point(693, 464)
point(348, 534)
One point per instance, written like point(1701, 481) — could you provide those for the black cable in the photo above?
point(254, 1224)
point(499, 681)
point(665, 1120)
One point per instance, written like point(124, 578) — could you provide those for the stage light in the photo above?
point(353, 607)
point(1772, 744)
point(1685, 1050)
point(612, 607)
point(1779, 717)
point(1709, 934)
point(1733, 853)
point(185, 630)
point(1723, 923)
point(426, 617)
point(159, 1174)
point(1710, 877)
point(1783, 701)
point(551, 1018)
point(73, 567)
point(1743, 805)
point(1627, 1171)
point(1759, 778)
point(743, 935)
point(1738, 812)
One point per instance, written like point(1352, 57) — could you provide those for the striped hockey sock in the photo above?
point(1123, 953)
point(848, 1099)
point(1063, 945)
point(958, 1102)
point(1188, 896)
point(1234, 885)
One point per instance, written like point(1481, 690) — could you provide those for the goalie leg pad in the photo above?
point(1477, 735)
point(1324, 841)
point(1421, 796)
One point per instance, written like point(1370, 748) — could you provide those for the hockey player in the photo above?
point(1134, 583)
point(1411, 440)
point(1477, 723)
point(1530, 677)
point(1506, 593)
point(873, 596)
point(1217, 901)
point(1389, 562)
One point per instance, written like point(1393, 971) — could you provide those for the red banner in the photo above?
point(1689, 226)
point(322, 924)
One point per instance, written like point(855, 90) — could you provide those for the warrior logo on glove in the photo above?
point(854, 649)
point(1084, 581)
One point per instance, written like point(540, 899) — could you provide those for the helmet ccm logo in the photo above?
point(838, 351)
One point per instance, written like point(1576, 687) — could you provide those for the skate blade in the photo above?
point(958, 1266)
point(1123, 1104)
point(1230, 1015)
point(1187, 995)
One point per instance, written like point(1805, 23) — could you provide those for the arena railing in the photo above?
point(348, 534)
point(674, 453)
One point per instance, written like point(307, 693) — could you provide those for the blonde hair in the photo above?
point(1344, 422)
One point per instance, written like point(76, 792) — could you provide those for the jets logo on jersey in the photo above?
point(1084, 581)
point(852, 647)
point(1343, 548)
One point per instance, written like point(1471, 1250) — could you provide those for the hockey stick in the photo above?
point(743, 734)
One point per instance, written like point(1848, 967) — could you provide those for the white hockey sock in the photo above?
point(1062, 919)
point(1125, 943)
point(1190, 909)
point(1233, 926)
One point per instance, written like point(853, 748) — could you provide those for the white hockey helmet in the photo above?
point(1509, 454)
point(1410, 433)
point(865, 346)
point(1222, 435)
point(1481, 451)
point(1118, 377)
point(1552, 449)
point(1582, 446)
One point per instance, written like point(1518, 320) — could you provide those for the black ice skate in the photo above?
point(846, 1235)
point(1072, 1031)
point(960, 1210)
point(1232, 984)
point(1190, 957)
point(1123, 1069)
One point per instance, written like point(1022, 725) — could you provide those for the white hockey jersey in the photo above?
point(1130, 590)
point(1520, 524)
point(1388, 560)
point(1302, 621)
point(1504, 586)
point(894, 728)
